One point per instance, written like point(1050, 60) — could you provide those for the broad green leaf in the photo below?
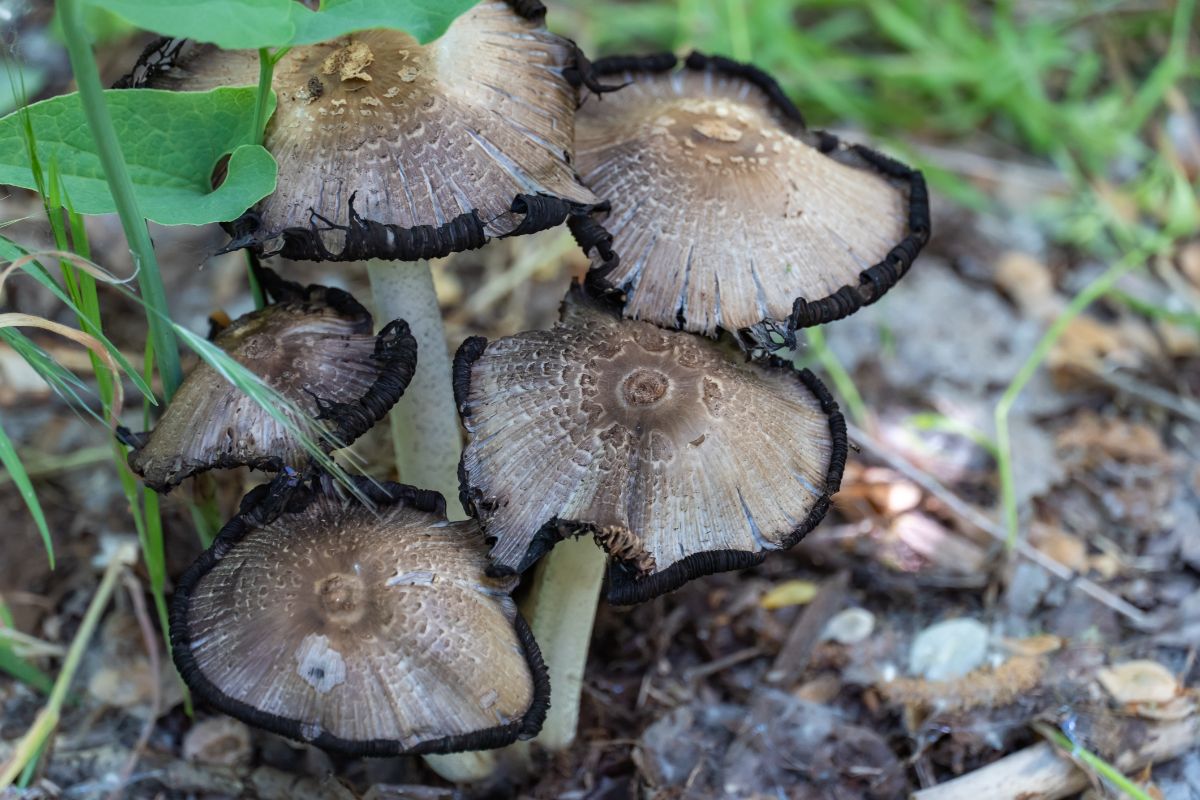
point(172, 142)
point(12, 463)
point(425, 20)
point(253, 24)
point(230, 24)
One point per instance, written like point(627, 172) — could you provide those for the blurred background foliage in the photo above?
point(1085, 93)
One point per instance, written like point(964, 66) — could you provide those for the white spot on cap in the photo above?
point(318, 664)
point(416, 578)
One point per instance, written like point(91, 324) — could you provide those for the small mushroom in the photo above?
point(681, 459)
point(315, 347)
point(396, 150)
point(366, 630)
point(727, 212)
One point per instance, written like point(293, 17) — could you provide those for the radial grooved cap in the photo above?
point(681, 458)
point(363, 630)
point(314, 346)
point(727, 212)
point(392, 149)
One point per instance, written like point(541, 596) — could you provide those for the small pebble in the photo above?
point(851, 626)
point(948, 649)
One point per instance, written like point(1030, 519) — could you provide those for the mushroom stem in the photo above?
point(424, 422)
point(468, 767)
point(560, 608)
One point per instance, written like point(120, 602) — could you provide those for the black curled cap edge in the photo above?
point(473, 502)
point(155, 59)
point(772, 335)
point(467, 354)
point(532, 10)
point(875, 281)
point(365, 239)
point(623, 586)
point(395, 351)
point(290, 493)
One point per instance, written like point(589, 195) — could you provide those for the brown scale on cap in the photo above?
point(371, 631)
point(725, 209)
point(679, 457)
point(444, 134)
point(315, 347)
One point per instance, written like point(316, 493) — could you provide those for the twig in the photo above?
point(151, 641)
point(1182, 406)
point(976, 518)
point(1089, 761)
point(797, 648)
point(721, 664)
point(47, 719)
point(28, 646)
point(1039, 771)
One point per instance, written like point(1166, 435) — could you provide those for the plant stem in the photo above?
point(1090, 293)
point(91, 95)
point(425, 430)
point(266, 69)
point(560, 608)
point(840, 377)
point(466, 767)
point(47, 719)
point(1091, 761)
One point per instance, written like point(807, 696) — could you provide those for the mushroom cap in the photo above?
point(727, 212)
point(367, 631)
point(682, 459)
point(314, 346)
point(392, 149)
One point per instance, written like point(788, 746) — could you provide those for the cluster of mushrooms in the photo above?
point(654, 417)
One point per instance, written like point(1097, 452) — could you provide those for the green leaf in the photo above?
point(254, 24)
point(425, 20)
point(172, 142)
point(230, 24)
point(12, 463)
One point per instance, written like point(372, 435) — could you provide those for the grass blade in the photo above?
point(16, 470)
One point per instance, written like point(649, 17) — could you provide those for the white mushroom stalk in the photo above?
point(560, 610)
point(425, 432)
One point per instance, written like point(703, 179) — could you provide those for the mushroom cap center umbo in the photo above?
point(718, 132)
point(650, 387)
point(644, 387)
point(342, 598)
point(372, 86)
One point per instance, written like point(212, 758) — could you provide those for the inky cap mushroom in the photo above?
point(367, 631)
point(681, 459)
point(727, 212)
point(392, 149)
point(314, 346)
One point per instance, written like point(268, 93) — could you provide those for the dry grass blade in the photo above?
point(47, 719)
point(16, 320)
point(79, 262)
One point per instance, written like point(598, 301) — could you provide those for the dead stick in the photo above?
point(975, 517)
point(1040, 772)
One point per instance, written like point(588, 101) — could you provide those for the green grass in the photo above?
point(1091, 763)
